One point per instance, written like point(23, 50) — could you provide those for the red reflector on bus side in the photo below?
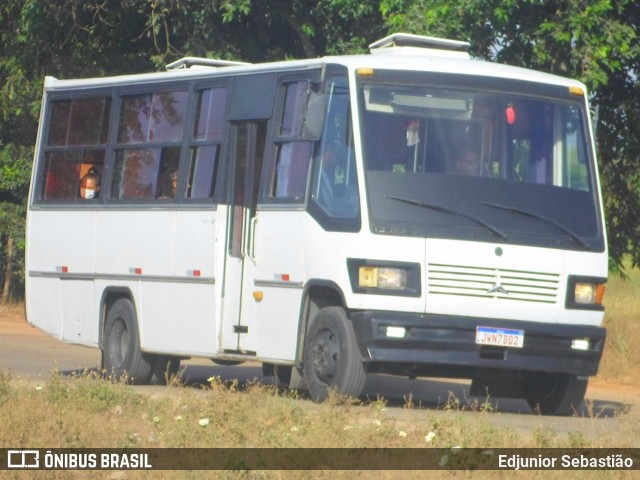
point(285, 277)
point(135, 271)
point(196, 273)
point(63, 269)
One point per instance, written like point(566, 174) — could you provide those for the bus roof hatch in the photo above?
point(419, 44)
point(187, 62)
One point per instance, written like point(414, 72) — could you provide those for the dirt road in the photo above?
point(30, 356)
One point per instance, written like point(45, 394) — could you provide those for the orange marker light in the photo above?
point(577, 91)
point(364, 72)
point(600, 293)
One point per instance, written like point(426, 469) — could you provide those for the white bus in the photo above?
point(411, 211)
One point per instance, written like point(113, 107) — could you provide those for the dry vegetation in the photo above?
point(622, 319)
point(91, 412)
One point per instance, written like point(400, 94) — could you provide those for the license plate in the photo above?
point(500, 337)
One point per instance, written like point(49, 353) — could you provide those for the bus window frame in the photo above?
point(111, 147)
point(275, 140)
point(43, 149)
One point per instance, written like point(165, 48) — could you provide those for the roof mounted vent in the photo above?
point(188, 62)
point(407, 43)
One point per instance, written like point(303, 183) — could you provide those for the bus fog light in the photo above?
point(396, 332)
point(382, 277)
point(580, 344)
point(585, 293)
point(368, 277)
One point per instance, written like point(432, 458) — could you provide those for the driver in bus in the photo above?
point(90, 184)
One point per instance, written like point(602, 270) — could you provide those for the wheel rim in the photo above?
point(326, 350)
point(119, 346)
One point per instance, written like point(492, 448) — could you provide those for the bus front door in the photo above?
point(239, 332)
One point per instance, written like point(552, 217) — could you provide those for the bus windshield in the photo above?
point(450, 159)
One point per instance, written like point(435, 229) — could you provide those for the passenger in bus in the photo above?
point(90, 184)
point(169, 186)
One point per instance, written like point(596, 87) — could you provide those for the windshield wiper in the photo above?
point(451, 211)
point(548, 220)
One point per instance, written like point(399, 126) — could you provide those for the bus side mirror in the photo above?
point(313, 119)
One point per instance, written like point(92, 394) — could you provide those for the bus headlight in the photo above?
point(585, 292)
point(384, 277)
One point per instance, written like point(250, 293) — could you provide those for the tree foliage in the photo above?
point(592, 40)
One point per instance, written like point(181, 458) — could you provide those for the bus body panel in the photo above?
point(178, 318)
point(135, 248)
point(79, 312)
point(44, 304)
point(170, 257)
point(333, 250)
point(66, 241)
point(280, 274)
point(64, 309)
point(461, 275)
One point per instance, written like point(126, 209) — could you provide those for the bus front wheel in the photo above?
point(331, 356)
point(555, 394)
point(122, 356)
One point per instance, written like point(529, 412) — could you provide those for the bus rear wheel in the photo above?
point(555, 394)
point(122, 356)
point(331, 356)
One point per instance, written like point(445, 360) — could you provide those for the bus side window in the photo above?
point(335, 181)
point(150, 132)
point(76, 140)
point(61, 176)
point(292, 169)
point(206, 139)
point(289, 178)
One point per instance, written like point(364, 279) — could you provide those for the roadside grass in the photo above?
point(91, 412)
point(622, 319)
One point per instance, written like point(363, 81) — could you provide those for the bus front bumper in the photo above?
point(441, 345)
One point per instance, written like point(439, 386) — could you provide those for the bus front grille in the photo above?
point(500, 284)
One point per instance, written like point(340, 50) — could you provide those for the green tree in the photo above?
point(257, 31)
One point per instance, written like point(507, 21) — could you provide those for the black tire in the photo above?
point(555, 394)
point(164, 369)
point(331, 356)
point(122, 356)
point(280, 373)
